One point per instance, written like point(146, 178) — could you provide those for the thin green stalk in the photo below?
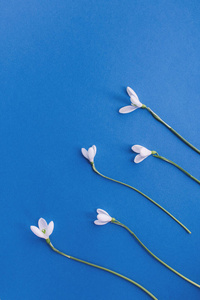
point(177, 166)
point(172, 130)
point(147, 197)
point(101, 268)
point(158, 259)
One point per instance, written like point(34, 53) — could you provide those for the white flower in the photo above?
point(135, 102)
point(44, 230)
point(143, 153)
point(90, 154)
point(103, 217)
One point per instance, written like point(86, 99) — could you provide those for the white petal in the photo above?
point(95, 149)
point(97, 222)
point(37, 231)
point(136, 101)
point(127, 109)
point(145, 152)
point(50, 228)
point(139, 158)
point(104, 218)
point(136, 148)
point(85, 153)
point(46, 236)
point(101, 211)
point(131, 92)
point(91, 154)
point(42, 224)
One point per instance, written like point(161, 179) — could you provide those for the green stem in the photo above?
point(172, 130)
point(177, 166)
point(101, 268)
point(147, 197)
point(158, 259)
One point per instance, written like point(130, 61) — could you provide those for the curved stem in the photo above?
point(172, 130)
point(102, 268)
point(177, 166)
point(147, 197)
point(158, 259)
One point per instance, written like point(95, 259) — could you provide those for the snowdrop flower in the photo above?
point(44, 230)
point(143, 153)
point(90, 153)
point(103, 217)
point(135, 102)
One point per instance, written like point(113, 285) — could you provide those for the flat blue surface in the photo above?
point(64, 69)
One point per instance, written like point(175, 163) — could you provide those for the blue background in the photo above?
point(64, 69)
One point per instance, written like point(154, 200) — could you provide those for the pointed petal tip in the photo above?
point(139, 158)
point(102, 211)
point(84, 153)
point(42, 223)
point(95, 149)
point(128, 90)
point(50, 228)
point(131, 92)
point(136, 148)
point(135, 161)
point(37, 231)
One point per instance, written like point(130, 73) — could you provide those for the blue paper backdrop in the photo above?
point(64, 69)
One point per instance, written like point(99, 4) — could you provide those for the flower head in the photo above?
point(90, 153)
point(143, 153)
point(135, 102)
point(44, 230)
point(102, 217)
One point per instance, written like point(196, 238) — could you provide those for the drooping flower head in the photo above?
point(143, 153)
point(90, 153)
point(43, 230)
point(102, 217)
point(135, 102)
